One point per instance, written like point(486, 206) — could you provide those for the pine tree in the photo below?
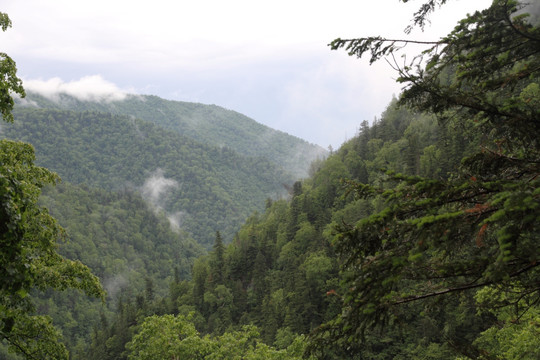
point(480, 227)
point(218, 265)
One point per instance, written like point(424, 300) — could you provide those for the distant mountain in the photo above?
point(200, 188)
point(146, 185)
point(209, 124)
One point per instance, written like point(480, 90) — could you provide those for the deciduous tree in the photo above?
point(28, 240)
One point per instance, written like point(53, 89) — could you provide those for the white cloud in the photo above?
point(88, 88)
point(154, 190)
point(176, 220)
point(219, 52)
point(155, 187)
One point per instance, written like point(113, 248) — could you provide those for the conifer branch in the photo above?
point(464, 287)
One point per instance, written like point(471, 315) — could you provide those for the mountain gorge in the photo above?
point(140, 201)
point(417, 239)
point(281, 271)
point(201, 188)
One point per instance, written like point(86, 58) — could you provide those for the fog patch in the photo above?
point(89, 88)
point(114, 285)
point(24, 101)
point(155, 190)
point(156, 186)
point(176, 220)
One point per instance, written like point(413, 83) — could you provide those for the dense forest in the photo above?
point(206, 124)
point(200, 187)
point(417, 239)
point(281, 272)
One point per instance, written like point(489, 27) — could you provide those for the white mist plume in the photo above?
point(155, 186)
point(89, 88)
point(153, 191)
point(176, 220)
point(114, 285)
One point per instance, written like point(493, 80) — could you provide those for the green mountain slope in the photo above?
point(119, 236)
point(208, 124)
point(280, 273)
point(200, 188)
point(123, 241)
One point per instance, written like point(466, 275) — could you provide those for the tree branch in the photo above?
point(462, 288)
point(382, 40)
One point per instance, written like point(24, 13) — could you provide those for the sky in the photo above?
point(269, 60)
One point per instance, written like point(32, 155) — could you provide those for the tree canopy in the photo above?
point(9, 82)
point(437, 252)
point(28, 240)
point(477, 229)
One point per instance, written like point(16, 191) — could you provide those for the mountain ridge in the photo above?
point(200, 187)
point(210, 124)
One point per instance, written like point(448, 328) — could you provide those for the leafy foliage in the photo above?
point(9, 82)
point(117, 235)
point(516, 335)
point(29, 259)
point(125, 244)
point(28, 239)
point(175, 337)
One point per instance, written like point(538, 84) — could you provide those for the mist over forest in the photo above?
point(136, 227)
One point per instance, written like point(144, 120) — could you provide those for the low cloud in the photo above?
point(114, 285)
point(176, 220)
point(154, 191)
point(89, 88)
point(155, 187)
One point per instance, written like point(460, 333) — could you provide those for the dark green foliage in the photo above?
point(280, 272)
point(209, 187)
point(434, 239)
point(218, 260)
point(29, 258)
point(206, 124)
point(123, 241)
point(119, 236)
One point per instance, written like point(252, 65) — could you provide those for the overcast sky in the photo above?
point(266, 59)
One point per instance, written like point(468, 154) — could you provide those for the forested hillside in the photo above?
point(281, 272)
point(126, 244)
point(134, 198)
point(199, 187)
point(207, 124)
point(119, 237)
point(417, 239)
